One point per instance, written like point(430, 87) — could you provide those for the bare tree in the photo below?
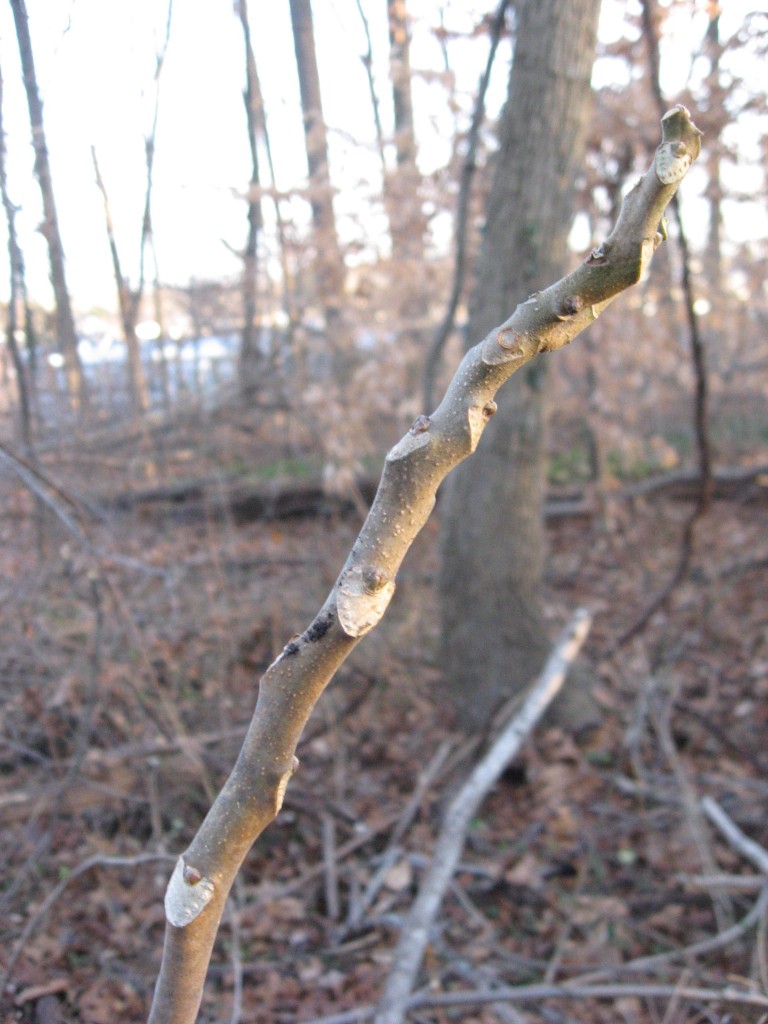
point(65, 323)
point(461, 222)
point(18, 303)
point(414, 468)
point(329, 262)
point(254, 113)
point(405, 216)
point(494, 636)
point(129, 299)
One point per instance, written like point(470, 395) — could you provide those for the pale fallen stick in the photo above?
point(452, 836)
point(747, 847)
point(730, 995)
point(710, 945)
point(721, 904)
point(734, 883)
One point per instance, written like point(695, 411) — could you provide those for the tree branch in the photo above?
point(453, 834)
point(413, 470)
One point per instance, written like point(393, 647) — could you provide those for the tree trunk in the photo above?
point(17, 301)
point(494, 637)
point(65, 323)
point(405, 216)
point(254, 113)
point(128, 302)
point(329, 264)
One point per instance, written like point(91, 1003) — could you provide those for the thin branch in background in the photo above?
point(728, 996)
point(462, 214)
point(699, 363)
point(739, 841)
point(452, 837)
point(80, 749)
point(57, 499)
point(367, 61)
point(18, 298)
point(97, 861)
point(660, 717)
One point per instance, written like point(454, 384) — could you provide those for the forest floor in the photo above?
point(130, 664)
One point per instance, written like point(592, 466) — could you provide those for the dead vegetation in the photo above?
point(132, 647)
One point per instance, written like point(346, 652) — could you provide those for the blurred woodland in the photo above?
point(177, 500)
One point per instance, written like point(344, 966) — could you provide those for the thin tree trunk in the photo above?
point(700, 373)
point(128, 303)
point(494, 636)
point(18, 297)
point(147, 230)
point(443, 332)
point(406, 219)
point(254, 112)
point(65, 323)
point(330, 271)
point(367, 60)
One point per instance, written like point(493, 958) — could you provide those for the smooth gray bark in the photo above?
point(413, 470)
point(494, 637)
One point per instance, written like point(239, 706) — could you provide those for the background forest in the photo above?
point(244, 256)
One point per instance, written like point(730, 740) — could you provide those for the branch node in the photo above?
point(510, 340)
point(374, 578)
point(420, 424)
point(570, 306)
point(187, 895)
point(191, 875)
point(408, 444)
point(283, 784)
point(363, 595)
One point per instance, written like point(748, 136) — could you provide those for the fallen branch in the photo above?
point(729, 995)
point(747, 847)
point(464, 806)
point(414, 468)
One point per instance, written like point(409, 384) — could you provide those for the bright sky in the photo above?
point(95, 64)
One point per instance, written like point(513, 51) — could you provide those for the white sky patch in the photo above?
point(95, 63)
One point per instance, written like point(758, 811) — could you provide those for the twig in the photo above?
point(734, 883)
point(462, 213)
point(719, 941)
point(425, 780)
point(55, 498)
point(414, 468)
point(747, 847)
point(75, 762)
point(721, 904)
point(450, 842)
point(97, 861)
point(536, 993)
point(701, 394)
point(393, 851)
